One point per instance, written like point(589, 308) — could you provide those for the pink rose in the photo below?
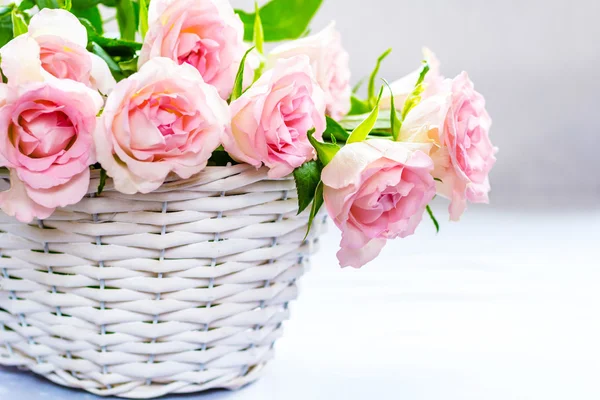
point(270, 120)
point(330, 63)
point(161, 119)
point(376, 190)
point(404, 86)
point(47, 145)
point(466, 151)
point(54, 46)
point(206, 34)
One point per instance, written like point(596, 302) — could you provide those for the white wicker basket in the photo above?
point(176, 291)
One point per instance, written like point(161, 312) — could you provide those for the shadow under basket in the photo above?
point(138, 296)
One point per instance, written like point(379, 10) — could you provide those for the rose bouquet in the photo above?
point(189, 86)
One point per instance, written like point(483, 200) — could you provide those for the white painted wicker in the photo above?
point(177, 291)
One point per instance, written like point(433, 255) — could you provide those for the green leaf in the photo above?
point(281, 19)
point(129, 67)
point(52, 4)
point(335, 131)
point(26, 5)
point(307, 178)
point(84, 4)
point(415, 97)
point(64, 4)
point(316, 206)
point(361, 132)
point(239, 78)
point(144, 17)
point(358, 85)
point(112, 64)
point(358, 106)
point(102, 181)
point(373, 77)
point(395, 123)
point(438, 180)
point(433, 219)
point(126, 19)
point(19, 24)
point(6, 29)
point(259, 33)
point(325, 151)
point(91, 14)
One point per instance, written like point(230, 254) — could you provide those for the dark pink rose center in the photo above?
point(202, 54)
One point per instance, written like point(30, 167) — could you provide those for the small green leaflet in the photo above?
point(433, 219)
point(415, 97)
point(361, 132)
point(358, 85)
point(316, 206)
point(19, 25)
point(335, 131)
point(143, 17)
point(259, 33)
point(358, 106)
point(281, 19)
point(373, 77)
point(102, 181)
point(325, 151)
point(64, 4)
point(239, 78)
point(307, 178)
point(26, 5)
point(395, 123)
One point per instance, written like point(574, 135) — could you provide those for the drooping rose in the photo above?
point(330, 63)
point(54, 46)
point(206, 34)
point(374, 191)
point(466, 153)
point(161, 119)
point(46, 141)
point(270, 120)
point(404, 86)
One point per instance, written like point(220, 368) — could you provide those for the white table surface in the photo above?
point(504, 305)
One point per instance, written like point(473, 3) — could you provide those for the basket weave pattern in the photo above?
point(176, 291)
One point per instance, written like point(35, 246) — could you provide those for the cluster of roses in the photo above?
point(62, 111)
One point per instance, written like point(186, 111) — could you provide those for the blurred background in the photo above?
point(536, 61)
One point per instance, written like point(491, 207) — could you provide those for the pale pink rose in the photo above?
point(54, 46)
point(47, 145)
point(376, 190)
point(270, 120)
point(404, 86)
point(466, 154)
point(161, 119)
point(206, 34)
point(330, 63)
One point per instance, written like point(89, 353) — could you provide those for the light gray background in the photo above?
point(536, 61)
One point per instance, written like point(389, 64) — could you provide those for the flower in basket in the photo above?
point(204, 34)
point(270, 120)
point(376, 190)
point(330, 63)
point(47, 145)
point(162, 119)
point(54, 46)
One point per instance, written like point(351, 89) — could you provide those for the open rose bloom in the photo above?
point(192, 83)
